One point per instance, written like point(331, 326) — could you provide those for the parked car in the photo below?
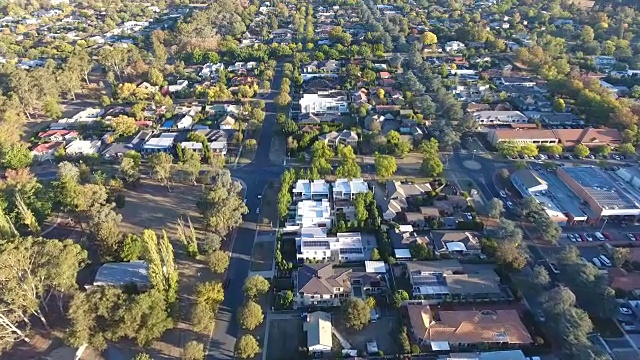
point(571, 237)
point(503, 194)
point(631, 237)
point(554, 268)
point(599, 236)
point(509, 204)
point(625, 311)
point(607, 235)
point(605, 260)
point(596, 262)
point(628, 327)
point(589, 237)
point(540, 316)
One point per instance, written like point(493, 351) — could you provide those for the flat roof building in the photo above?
point(345, 189)
point(311, 190)
point(123, 273)
point(606, 196)
point(310, 213)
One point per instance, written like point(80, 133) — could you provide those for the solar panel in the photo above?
point(315, 243)
point(351, 251)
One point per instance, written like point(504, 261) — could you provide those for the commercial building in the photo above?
point(589, 137)
point(530, 183)
point(605, 196)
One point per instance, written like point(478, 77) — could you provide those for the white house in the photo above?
point(83, 147)
point(454, 46)
point(500, 117)
point(311, 190)
point(324, 102)
point(310, 213)
point(185, 122)
point(164, 143)
point(314, 244)
point(318, 329)
point(179, 86)
point(345, 189)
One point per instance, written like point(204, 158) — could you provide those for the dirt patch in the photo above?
point(383, 332)
point(285, 338)
point(262, 255)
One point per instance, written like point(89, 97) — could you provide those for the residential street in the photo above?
point(256, 175)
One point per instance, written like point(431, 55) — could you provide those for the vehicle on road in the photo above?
point(258, 211)
point(631, 237)
point(625, 311)
point(628, 327)
point(260, 196)
point(245, 200)
point(596, 262)
point(503, 194)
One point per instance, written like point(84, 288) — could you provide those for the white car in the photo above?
point(631, 237)
point(571, 237)
point(509, 204)
point(625, 311)
point(260, 196)
point(596, 262)
point(258, 211)
point(589, 237)
point(503, 194)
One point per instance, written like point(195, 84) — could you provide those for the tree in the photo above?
point(193, 350)
point(163, 275)
point(385, 165)
point(251, 144)
point(146, 318)
point(554, 149)
point(529, 149)
point(286, 299)
point(621, 256)
point(504, 173)
point(221, 204)
point(508, 149)
point(431, 166)
point(399, 297)
point(202, 318)
point(375, 254)
point(191, 164)
point(16, 156)
point(429, 38)
point(142, 356)
point(129, 170)
point(356, 313)
point(124, 125)
point(511, 255)
point(250, 315)
point(627, 148)
point(209, 293)
point(509, 230)
point(31, 271)
point(603, 150)
point(282, 99)
point(255, 285)
point(540, 276)
point(321, 155)
point(349, 167)
point(155, 77)
point(581, 151)
point(371, 302)
point(496, 208)
point(218, 261)
point(247, 347)
point(558, 105)
point(105, 225)
point(161, 167)
point(132, 248)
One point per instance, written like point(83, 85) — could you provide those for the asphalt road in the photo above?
point(256, 175)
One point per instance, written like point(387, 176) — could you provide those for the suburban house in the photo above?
point(163, 143)
point(321, 285)
point(332, 101)
point(345, 189)
point(393, 198)
point(83, 147)
point(516, 81)
point(499, 117)
point(402, 237)
point(325, 285)
point(58, 135)
point(345, 137)
point(46, 151)
point(445, 329)
point(179, 86)
point(455, 242)
point(311, 190)
point(454, 46)
point(115, 151)
point(317, 119)
point(311, 213)
point(319, 334)
point(228, 122)
point(314, 244)
point(442, 279)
